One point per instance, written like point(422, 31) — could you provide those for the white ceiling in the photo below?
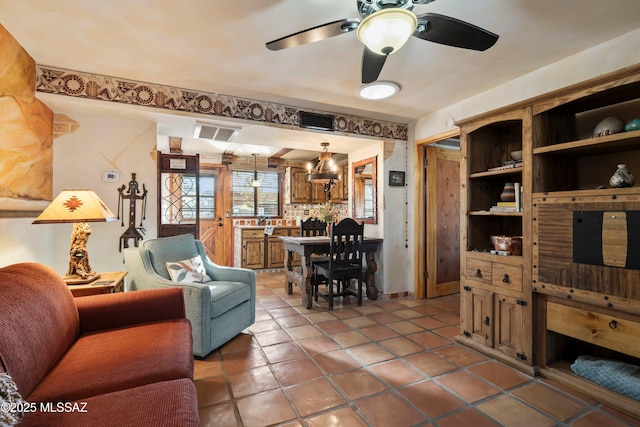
point(219, 46)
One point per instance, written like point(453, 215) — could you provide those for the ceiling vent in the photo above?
point(217, 133)
point(316, 121)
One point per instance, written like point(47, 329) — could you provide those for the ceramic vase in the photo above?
point(508, 193)
point(622, 177)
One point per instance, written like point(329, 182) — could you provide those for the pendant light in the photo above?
point(318, 174)
point(255, 182)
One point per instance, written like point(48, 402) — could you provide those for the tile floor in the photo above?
point(386, 363)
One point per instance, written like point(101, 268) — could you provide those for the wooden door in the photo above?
point(253, 253)
point(442, 221)
point(178, 193)
point(479, 306)
point(216, 232)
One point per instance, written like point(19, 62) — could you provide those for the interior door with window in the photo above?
point(215, 222)
point(178, 190)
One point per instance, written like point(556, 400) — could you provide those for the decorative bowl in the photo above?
point(517, 155)
point(511, 244)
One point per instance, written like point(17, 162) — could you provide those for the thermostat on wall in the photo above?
point(111, 175)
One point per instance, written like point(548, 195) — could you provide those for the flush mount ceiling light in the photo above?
point(386, 31)
point(318, 174)
point(378, 90)
point(255, 182)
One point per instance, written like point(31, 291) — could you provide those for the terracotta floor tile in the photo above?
point(333, 326)
point(460, 356)
point(209, 367)
point(388, 410)
point(397, 373)
point(467, 386)
point(252, 381)
point(298, 371)
point(264, 325)
point(448, 318)
point(617, 414)
point(513, 413)
point(241, 342)
point(448, 332)
point(431, 398)
point(369, 354)
point(221, 415)
point(343, 417)
point(384, 317)
point(283, 312)
point(241, 360)
point(315, 396)
point(292, 321)
point(359, 322)
point(272, 337)
point(357, 384)
point(390, 305)
point(350, 338)
point(430, 364)
point(345, 313)
point(467, 418)
point(429, 310)
point(569, 390)
point(282, 352)
point(262, 315)
point(302, 332)
point(401, 346)
point(336, 361)
point(317, 345)
point(211, 391)
point(549, 400)
point(379, 332)
point(499, 374)
point(428, 323)
point(367, 308)
point(318, 316)
point(266, 408)
point(404, 327)
point(428, 340)
point(408, 314)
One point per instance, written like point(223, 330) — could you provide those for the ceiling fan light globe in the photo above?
point(386, 31)
point(380, 89)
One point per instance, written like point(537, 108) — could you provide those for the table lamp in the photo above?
point(78, 207)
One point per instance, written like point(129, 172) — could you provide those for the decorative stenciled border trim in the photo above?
point(112, 89)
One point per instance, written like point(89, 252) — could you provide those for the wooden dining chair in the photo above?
point(344, 263)
point(315, 227)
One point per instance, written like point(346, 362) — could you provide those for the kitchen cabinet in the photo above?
point(299, 190)
point(256, 250)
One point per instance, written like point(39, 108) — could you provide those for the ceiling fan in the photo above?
point(384, 28)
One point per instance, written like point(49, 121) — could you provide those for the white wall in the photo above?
point(98, 144)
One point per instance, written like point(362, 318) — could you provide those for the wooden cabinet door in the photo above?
point(509, 326)
point(300, 186)
point(479, 315)
point(253, 253)
point(276, 253)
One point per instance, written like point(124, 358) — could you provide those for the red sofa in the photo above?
point(122, 359)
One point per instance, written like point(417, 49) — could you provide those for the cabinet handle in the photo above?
point(478, 273)
point(505, 279)
point(487, 321)
point(613, 324)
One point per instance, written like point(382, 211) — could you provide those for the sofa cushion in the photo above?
point(117, 359)
point(39, 322)
point(188, 271)
point(163, 404)
point(226, 295)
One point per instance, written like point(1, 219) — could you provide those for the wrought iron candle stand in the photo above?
point(133, 195)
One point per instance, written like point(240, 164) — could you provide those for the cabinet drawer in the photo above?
point(248, 234)
point(280, 232)
point(479, 270)
point(593, 327)
point(507, 276)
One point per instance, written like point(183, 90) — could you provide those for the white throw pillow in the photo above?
point(188, 271)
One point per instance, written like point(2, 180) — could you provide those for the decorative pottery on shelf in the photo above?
point(508, 193)
point(632, 125)
point(609, 126)
point(622, 177)
point(511, 244)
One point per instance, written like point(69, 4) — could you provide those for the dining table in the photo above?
point(306, 246)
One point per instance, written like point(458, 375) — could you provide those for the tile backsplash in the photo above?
point(294, 212)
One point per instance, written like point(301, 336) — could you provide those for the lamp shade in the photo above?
point(386, 31)
point(76, 206)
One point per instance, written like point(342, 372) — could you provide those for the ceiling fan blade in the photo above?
point(314, 34)
point(372, 64)
point(453, 32)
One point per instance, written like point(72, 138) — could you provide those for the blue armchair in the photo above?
point(219, 308)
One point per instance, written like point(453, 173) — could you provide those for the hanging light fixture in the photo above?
point(318, 174)
point(387, 30)
point(255, 182)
